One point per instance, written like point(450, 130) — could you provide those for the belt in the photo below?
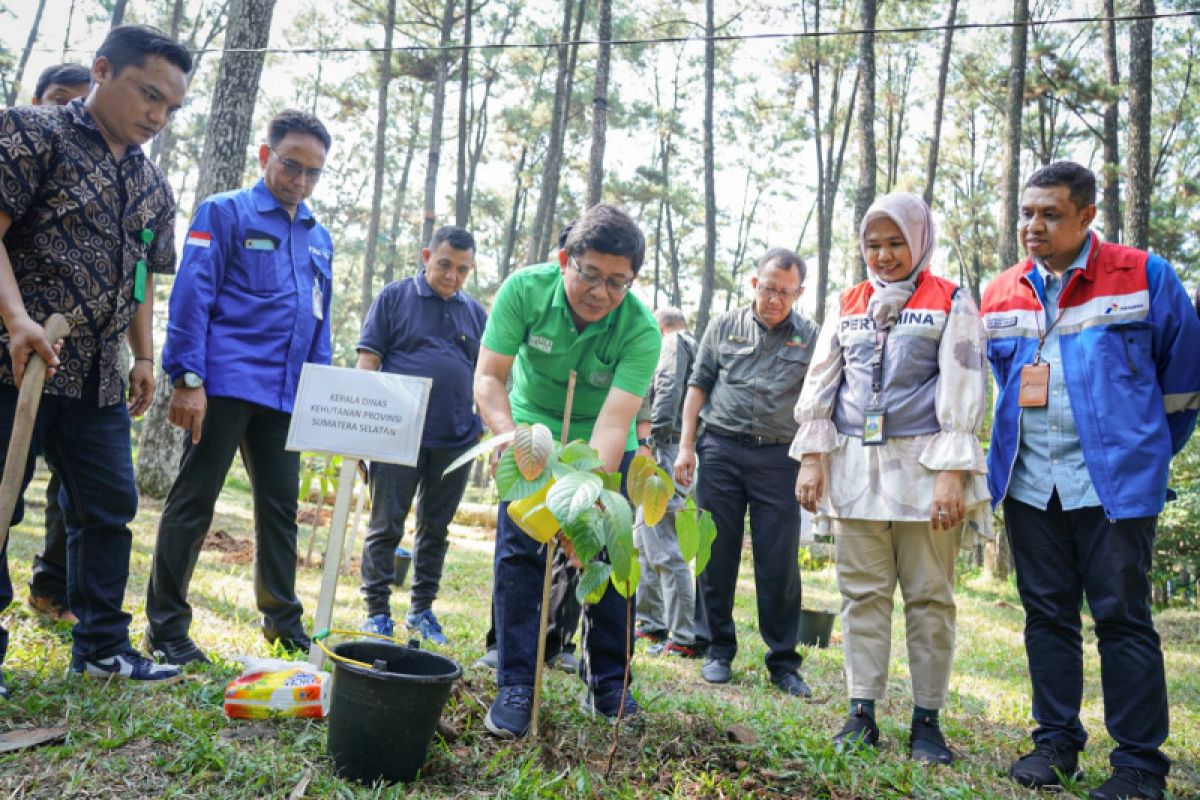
point(747, 439)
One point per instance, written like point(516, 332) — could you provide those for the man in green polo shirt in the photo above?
point(548, 320)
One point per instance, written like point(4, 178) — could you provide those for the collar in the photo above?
point(425, 290)
point(792, 320)
point(1081, 262)
point(78, 114)
point(265, 202)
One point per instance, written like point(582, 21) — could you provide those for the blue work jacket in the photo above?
point(251, 302)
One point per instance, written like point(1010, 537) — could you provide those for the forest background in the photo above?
point(724, 128)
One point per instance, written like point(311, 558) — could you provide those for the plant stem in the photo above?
point(624, 687)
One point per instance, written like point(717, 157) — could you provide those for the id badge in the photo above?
point(872, 426)
point(318, 306)
point(1035, 386)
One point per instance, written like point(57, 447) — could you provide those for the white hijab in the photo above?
point(913, 218)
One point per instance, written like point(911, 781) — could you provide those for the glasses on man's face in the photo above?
point(771, 293)
point(614, 287)
point(294, 169)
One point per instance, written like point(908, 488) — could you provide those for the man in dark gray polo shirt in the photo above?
point(748, 373)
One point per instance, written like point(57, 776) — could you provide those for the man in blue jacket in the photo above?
point(1094, 348)
point(249, 307)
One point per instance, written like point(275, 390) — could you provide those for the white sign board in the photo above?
point(357, 413)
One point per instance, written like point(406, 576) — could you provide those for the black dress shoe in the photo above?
point(174, 651)
point(793, 684)
point(1045, 767)
point(860, 730)
point(1128, 783)
point(927, 744)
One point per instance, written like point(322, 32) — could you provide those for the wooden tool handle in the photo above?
point(28, 399)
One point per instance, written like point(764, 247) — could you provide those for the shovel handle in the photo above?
point(28, 399)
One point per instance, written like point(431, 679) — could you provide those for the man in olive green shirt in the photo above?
point(546, 321)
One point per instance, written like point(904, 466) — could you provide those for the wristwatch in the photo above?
point(647, 441)
point(188, 380)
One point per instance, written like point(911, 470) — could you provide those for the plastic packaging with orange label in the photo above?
point(270, 689)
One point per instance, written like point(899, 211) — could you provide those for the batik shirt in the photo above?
point(81, 219)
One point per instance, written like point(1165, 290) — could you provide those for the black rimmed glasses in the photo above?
point(614, 287)
point(294, 169)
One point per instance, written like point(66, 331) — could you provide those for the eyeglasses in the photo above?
point(614, 287)
point(294, 169)
point(774, 294)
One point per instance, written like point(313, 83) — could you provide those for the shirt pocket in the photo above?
point(598, 372)
point(736, 361)
point(468, 345)
point(1000, 354)
point(1127, 352)
point(260, 266)
point(791, 366)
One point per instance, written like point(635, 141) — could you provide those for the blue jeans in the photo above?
point(88, 447)
point(1061, 557)
point(520, 565)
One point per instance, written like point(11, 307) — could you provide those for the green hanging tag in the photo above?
point(147, 236)
point(139, 281)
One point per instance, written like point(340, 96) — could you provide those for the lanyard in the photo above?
point(881, 336)
point(1037, 356)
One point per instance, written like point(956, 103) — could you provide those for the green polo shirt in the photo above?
point(531, 320)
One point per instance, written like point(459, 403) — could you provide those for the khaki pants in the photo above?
point(871, 556)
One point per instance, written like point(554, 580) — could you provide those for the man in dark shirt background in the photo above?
point(56, 86)
point(424, 325)
point(747, 376)
point(86, 219)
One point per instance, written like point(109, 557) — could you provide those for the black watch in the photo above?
point(647, 441)
point(188, 380)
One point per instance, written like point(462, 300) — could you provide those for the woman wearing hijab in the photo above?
point(889, 454)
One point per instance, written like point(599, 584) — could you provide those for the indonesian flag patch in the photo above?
point(199, 238)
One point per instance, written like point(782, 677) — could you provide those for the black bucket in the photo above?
point(382, 720)
point(403, 560)
point(815, 627)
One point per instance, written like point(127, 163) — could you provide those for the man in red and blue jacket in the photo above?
point(1095, 351)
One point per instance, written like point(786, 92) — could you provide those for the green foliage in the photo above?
point(1176, 564)
point(321, 469)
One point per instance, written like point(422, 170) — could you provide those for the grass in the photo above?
point(692, 740)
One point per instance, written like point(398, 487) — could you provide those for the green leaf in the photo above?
point(510, 484)
point(618, 512)
point(657, 491)
point(532, 447)
point(708, 535)
point(587, 534)
point(593, 582)
point(573, 494)
point(580, 455)
point(627, 587)
point(621, 554)
point(687, 531)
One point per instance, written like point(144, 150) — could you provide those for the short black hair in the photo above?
point(609, 230)
point(63, 75)
point(456, 237)
point(128, 45)
point(291, 120)
point(784, 259)
point(1079, 180)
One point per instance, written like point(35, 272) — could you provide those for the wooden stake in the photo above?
point(547, 580)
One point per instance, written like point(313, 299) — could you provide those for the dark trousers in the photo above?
point(565, 609)
point(1060, 558)
point(88, 447)
point(49, 577)
point(731, 478)
point(392, 489)
point(519, 567)
point(260, 433)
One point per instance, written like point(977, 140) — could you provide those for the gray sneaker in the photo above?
point(716, 670)
point(490, 659)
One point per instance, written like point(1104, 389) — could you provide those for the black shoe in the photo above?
point(860, 730)
point(296, 644)
point(926, 743)
point(1046, 766)
point(793, 684)
point(509, 715)
point(176, 651)
point(716, 670)
point(1128, 783)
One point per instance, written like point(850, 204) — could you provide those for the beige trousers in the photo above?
point(871, 556)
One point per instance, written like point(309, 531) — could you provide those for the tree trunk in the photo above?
point(1112, 148)
point(67, 31)
point(514, 223)
point(435, 125)
point(600, 105)
point(997, 555)
point(866, 120)
point(15, 87)
point(1010, 190)
point(381, 125)
point(935, 142)
point(118, 12)
point(1139, 178)
point(221, 168)
point(389, 269)
point(462, 207)
point(710, 190)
